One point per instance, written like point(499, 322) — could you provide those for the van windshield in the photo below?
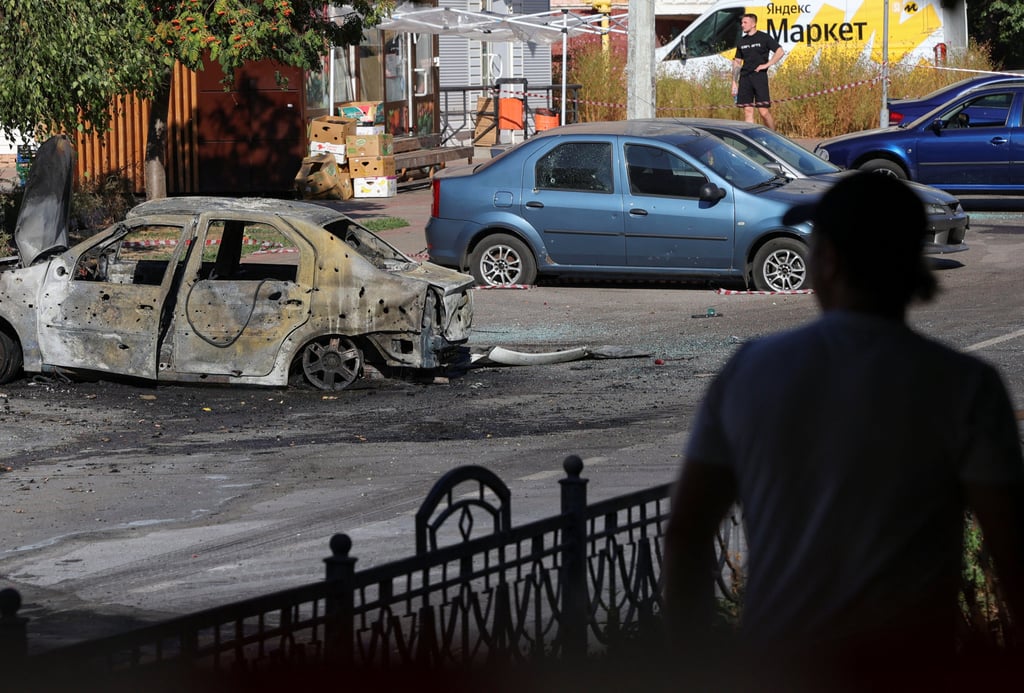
point(716, 33)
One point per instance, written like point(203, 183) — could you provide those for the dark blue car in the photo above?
point(903, 111)
point(642, 199)
point(971, 145)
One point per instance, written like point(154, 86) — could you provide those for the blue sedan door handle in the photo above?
point(999, 140)
point(535, 205)
point(638, 212)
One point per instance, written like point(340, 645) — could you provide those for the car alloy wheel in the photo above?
point(500, 260)
point(781, 265)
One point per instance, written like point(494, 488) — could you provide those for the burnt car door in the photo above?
point(242, 296)
point(105, 300)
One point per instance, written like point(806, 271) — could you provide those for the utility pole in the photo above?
point(641, 92)
point(603, 7)
point(883, 114)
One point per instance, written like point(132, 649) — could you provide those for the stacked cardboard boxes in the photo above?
point(371, 163)
point(347, 159)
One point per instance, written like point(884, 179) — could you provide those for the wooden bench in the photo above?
point(419, 156)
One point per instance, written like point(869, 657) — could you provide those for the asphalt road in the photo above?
point(121, 503)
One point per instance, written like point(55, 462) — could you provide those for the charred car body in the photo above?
point(246, 291)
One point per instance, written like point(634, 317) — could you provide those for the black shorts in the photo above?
point(753, 90)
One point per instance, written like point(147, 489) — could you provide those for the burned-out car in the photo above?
point(246, 291)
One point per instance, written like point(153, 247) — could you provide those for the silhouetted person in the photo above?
point(854, 446)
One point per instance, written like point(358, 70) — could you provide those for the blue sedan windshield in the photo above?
point(736, 167)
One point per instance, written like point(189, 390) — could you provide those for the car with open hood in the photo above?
point(947, 220)
point(219, 290)
point(637, 199)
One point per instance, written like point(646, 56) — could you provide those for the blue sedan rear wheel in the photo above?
point(500, 260)
point(781, 265)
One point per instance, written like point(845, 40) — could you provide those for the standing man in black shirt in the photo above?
point(756, 51)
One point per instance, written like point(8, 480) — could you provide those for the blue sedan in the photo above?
point(909, 109)
point(642, 199)
point(972, 144)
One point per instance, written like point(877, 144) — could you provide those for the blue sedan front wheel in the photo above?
point(885, 167)
point(500, 260)
point(781, 265)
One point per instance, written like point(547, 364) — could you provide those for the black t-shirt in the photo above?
point(755, 50)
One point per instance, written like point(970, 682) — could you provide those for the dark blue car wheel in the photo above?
point(885, 167)
point(501, 259)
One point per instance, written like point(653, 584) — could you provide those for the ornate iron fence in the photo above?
point(478, 591)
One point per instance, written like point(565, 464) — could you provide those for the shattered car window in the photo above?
point(139, 256)
point(585, 166)
point(372, 247)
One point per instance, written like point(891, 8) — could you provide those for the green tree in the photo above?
point(999, 24)
point(65, 60)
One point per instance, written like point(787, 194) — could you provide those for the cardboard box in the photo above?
point(337, 150)
point(331, 130)
point(321, 177)
point(371, 166)
point(366, 112)
point(379, 186)
point(485, 133)
point(369, 145)
point(369, 129)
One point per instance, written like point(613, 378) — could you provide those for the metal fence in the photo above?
point(478, 591)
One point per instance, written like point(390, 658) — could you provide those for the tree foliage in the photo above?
point(999, 24)
point(65, 60)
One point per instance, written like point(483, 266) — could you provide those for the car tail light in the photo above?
point(895, 118)
point(435, 198)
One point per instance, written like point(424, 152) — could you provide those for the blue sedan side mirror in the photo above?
point(937, 126)
point(709, 192)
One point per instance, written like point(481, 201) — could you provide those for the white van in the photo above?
point(918, 30)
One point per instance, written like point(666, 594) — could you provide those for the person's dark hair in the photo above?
point(750, 15)
point(877, 225)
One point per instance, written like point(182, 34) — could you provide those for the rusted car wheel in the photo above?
point(10, 357)
point(332, 364)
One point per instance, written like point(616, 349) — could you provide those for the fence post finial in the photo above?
point(575, 601)
point(13, 632)
point(340, 606)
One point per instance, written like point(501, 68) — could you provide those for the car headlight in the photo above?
point(934, 208)
point(822, 154)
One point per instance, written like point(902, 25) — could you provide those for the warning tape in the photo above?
point(173, 242)
point(734, 292)
point(503, 286)
point(676, 109)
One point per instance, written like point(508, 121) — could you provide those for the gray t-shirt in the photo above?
point(849, 439)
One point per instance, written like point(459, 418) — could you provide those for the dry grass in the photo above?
point(835, 92)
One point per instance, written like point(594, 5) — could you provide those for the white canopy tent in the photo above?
point(543, 27)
